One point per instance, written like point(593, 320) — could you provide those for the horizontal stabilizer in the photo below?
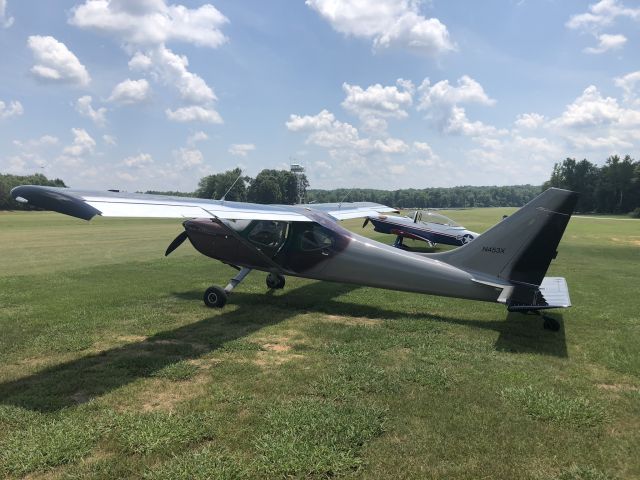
point(553, 292)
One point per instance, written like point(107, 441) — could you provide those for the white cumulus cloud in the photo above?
point(55, 62)
point(376, 103)
point(196, 137)
point(441, 102)
point(172, 70)
point(194, 113)
point(34, 143)
point(84, 108)
point(324, 130)
point(130, 91)
point(13, 109)
point(590, 109)
point(82, 144)
point(188, 157)
point(602, 14)
point(5, 20)
point(607, 42)
point(630, 85)
point(389, 23)
point(152, 22)
point(109, 140)
point(241, 149)
point(144, 28)
point(138, 161)
point(529, 120)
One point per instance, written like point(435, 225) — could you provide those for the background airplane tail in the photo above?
point(520, 248)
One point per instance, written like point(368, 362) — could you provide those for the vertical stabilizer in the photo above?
point(520, 248)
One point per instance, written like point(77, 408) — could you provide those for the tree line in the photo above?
point(453, 197)
point(612, 188)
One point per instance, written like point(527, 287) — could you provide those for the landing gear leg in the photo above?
point(398, 243)
point(217, 297)
point(275, 281)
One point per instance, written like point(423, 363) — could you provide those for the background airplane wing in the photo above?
point(86, 204)
point(344, 211)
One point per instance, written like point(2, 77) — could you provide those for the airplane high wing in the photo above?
point(506, 264)
point(86, 204)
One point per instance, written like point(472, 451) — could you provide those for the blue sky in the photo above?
point(145, 94)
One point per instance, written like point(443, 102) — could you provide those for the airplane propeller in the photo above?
point(176, 242)
point(366, 221)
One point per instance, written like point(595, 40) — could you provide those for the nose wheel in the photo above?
point(216, 297)
point(275, 281)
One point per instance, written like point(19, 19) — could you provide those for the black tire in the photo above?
point(275, 281)
point(215, 297)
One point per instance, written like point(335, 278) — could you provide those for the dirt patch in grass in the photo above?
point(276, 347)
point(617, 387)
point(275, 354)
point(167, 397)
point(131, 338)
point(163, 395)
point(269, 359)
point(627, 241)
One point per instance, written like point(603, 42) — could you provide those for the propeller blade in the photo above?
point(366, 221)
point(176, 243)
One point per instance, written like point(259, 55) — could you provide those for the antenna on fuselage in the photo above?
point(232, 185)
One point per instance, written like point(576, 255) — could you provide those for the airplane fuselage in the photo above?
point(322, 249)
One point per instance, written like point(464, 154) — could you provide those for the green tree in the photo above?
point(265, 188)
point(616, 191)
point(216, 186)
point(581, 177)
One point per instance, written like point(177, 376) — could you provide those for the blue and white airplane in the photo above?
point(428, 226)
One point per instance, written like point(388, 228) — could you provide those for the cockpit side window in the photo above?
point(315, 238)
point(268, 235)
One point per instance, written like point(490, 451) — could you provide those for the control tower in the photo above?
point(298, 171)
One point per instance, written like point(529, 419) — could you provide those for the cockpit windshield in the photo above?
point(427, 216)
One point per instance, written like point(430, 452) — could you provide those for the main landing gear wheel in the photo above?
point(275, 281)
point(215, 297)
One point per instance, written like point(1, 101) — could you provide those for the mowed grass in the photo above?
point(112, 367)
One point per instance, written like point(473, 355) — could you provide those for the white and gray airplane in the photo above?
point(506, 264)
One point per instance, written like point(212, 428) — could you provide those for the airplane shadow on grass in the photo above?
point(82, 379)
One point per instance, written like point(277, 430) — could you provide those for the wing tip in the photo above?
point(56, 200)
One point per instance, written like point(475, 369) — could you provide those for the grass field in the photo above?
point(112, 367)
